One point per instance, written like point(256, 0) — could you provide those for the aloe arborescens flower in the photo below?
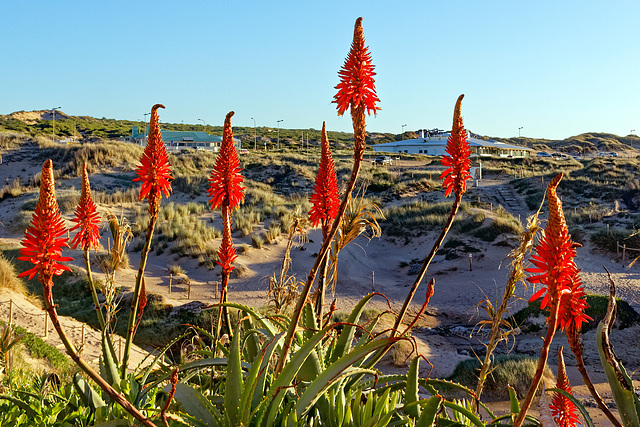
point(325, 197)
point(563, 409)
point(42, 244)
point(457, 158)
point(225, 190)
point(155, 170)
point(86, 218)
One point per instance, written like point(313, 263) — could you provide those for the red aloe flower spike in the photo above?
point(325, 198)
point(458, 155)
point(564, 410)
point(357, 87)
point(155, 170)
point(86, 218)
point(42, 244)
point(554, 267)
point(225, 182)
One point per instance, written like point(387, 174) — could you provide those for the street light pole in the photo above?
point(53, 112)
point(279, 133)
point(205, 124)
point(520, 128)
point(255, 135)
point(402, 134)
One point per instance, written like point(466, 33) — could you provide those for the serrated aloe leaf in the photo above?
point(233, 384)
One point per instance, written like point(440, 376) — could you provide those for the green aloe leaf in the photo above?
point(88, 395)
point(411, 394)
point(345, 339)
point(233, 384)
point(196, 404)
point(619, 380)
point(342, 366)
point(430, 411)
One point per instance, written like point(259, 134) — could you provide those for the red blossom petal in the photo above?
point(325, 197)
point(357, 87)
point(155, 170)
point(225, 181)
point(86, 218)
point(42, 244)
point(457, 160)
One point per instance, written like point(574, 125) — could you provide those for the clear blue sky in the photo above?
point(554, 68)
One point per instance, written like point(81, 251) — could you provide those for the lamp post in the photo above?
point(519, 129)
point(53, 113)
point(402, 134)
point(255, 135)
point(279, 133)
point(145, 123)
point(205, 123)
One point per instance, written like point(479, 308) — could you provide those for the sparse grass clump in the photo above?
point(516, 371)
point(257, 241)
point(9, 276)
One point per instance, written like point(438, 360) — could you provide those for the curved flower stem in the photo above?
point(322, 285)
point(302, 299)
point(136, 294)
point(576, 348)
point(75, 356)
point(542, 361)
point(94, 294)
point(425, 264)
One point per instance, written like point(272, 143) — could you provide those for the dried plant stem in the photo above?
point(425, 264)
point(322, 286)
point(75, 356)
point(359, 144)
point(136, 294)
point(542, 361)
point(576, 348)
point(94, 293)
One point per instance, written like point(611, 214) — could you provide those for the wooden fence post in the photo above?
point(373, 281)
point(624, 252)
point(170, 280)
point(189, 290)
point(82, 336)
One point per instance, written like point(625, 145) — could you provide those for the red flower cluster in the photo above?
point(86, 218)
point(325, 198)
point(458, 155)
point(225, 182)
point(42, 244)
point(225, 190)
point(555, 268)
point(155, 170)
point(357, 87)
point(564, 411)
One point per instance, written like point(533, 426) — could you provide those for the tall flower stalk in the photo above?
point(42, 246)
point(326, 203)
point(154, 173)
point(458, 162)
point(88, 237)
point(562, 292)
point(225, 190)
point(356, 92)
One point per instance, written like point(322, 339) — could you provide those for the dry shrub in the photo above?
point(9, 276)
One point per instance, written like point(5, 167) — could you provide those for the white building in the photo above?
point(434, 143)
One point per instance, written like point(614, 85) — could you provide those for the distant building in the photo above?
point(179, 140)
point(434, 142)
